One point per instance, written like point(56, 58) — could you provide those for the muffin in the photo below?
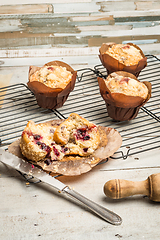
point(53, 149)
point(36, 142)
point(124, 95)
point(78, 134)
point(52, 83)
point(122, 57)
point(75, 136)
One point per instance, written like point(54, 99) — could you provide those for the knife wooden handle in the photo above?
point(118, 188)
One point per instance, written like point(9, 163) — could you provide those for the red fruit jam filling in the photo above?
point(85, 149)
point(82, 134)
point(37, 137)
point(126, 47)
point(56, 152)
point(44, 147)
point(29, 133)
point(50, 68)
point(64, 149)
point(125, 79)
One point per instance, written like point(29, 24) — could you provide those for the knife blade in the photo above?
point(27, 168)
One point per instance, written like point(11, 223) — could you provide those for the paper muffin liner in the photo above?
point(121, 107)
point(47, 97)
point(112, 65)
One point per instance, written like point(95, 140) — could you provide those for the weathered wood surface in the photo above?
point(38, 212)
point(79, 24)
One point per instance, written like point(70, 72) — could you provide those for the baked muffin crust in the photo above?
point(52, 76)
point(126, 85)
point(125, 53)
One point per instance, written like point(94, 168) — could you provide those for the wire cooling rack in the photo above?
point(18, 105)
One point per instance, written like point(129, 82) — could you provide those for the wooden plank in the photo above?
point(134, 32)
point(102, 28)
point(92, 18)
point(114, 14)
point(108, 6)
point(138, 17)
point(48, 52)
point(140, 24)
point(40, 42)
point(46, 22)
point(147, 5)
point(10, 2)
point(76, 7)
point(21, 34)
point(26, 9)
point(10, 25)
point(97, 41)
point(128, 14)
point(61, 41)
point(52, 30)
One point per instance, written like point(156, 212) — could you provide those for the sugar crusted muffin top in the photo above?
point(126, 85)
point(125, 53)
point(52, 76)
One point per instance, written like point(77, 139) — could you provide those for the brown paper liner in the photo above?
point(113, 65)
point(110, 142)
point(51, 98)
point(121, 107)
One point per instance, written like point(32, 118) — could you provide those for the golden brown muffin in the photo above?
point(124, 94)
point(69, 165)
point(37, 142)
point(125, 53)
point(75, 136)
point(117, 83)
point(122, 57)
point(52, 76)
point(52, 83)
point(78, 134)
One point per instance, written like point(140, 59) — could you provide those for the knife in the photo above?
point(32, 171)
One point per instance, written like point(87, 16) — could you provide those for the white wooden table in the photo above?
point(36, 211)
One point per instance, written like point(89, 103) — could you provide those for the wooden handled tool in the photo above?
point(119, 188)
